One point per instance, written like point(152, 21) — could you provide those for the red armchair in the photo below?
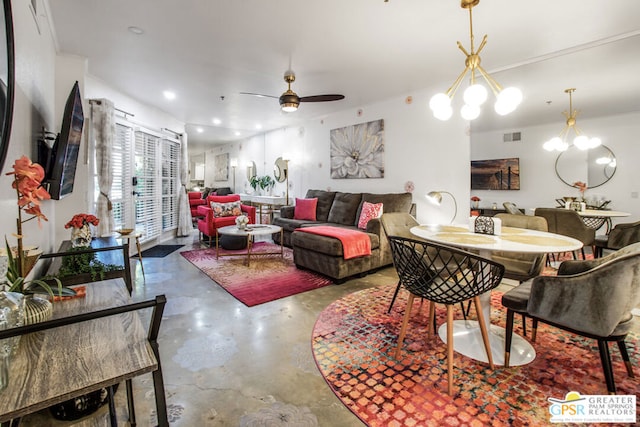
point(195, 200)
point(208, 224)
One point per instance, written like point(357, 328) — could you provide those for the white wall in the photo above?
point(539, 185)
point(432, 154)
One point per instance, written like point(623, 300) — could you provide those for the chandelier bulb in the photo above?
point(595, 142)
point(475, 95)
point(581, 142)
point(443, 113)
point(470, 112)
point(439, 101)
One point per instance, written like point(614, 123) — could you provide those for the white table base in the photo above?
point(467, 340)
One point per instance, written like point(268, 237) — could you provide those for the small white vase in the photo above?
point(81, 236)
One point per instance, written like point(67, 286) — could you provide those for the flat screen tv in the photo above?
point(496, 174)
point(65, 150)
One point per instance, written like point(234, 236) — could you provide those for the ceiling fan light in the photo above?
point(289, 107)
point(439, 101)
point(443, 113)
point(289, 101)
point(470, 112)
point(475, 95)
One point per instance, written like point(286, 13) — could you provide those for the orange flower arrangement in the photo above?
point(79, 220)
point(581, 186)
point(475, 198)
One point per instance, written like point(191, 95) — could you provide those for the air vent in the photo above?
point(512, 137)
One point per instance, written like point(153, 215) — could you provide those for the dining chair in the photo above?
point(591, 298)
point(568, 223)
point(444, 275)
point(398, 224)
point(622, 235)
point(512, 208)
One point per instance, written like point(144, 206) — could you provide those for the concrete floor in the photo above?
point(226, 364)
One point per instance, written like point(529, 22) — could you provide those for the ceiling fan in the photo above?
point(289, 101)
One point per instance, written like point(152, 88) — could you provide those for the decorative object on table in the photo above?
point(485, 225)
point(264, 183)
point(348, 329)
point(357, 151)
point(582, 187)
point(20, 260)
point(242, 221)
point(507, 99)
point(125, 231)
point(475, 202)
point(11, 316)
point(84, 263)
point(582, 142)
point(435, 197)
point(81, 230)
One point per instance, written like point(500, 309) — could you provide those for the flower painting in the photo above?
point(357, 151)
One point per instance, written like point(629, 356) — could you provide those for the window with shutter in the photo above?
point(147, 205)
point(170, 162)
point(121, 187)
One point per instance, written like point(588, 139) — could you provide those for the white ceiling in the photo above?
point(368, 50)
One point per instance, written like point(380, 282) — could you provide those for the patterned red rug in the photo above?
point(353, 342)
point(267, 278)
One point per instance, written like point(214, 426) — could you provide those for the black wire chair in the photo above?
point(445, 275)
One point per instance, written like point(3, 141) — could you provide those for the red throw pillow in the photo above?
point(305, 209)
point(369, 211)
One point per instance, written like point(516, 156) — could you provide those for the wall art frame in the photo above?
point(357, 151)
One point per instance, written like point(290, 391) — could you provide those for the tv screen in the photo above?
point(497, 174)
point(67, 147)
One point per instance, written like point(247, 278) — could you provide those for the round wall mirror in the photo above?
point(595, 166)
point(280, 169)
point(6, 79)
point(251, 170)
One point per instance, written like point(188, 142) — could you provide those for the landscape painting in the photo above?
point(497, 174)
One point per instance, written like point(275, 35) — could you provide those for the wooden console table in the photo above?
point(91, 343)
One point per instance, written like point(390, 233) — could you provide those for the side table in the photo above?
point(134, 235)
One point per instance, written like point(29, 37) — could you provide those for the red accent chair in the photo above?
point(195, 200)
point(208, 224)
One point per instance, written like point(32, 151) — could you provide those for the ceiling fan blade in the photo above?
point(259, 95)
point(321, 98)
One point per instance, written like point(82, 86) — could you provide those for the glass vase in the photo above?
point(11, 316)
point(81, 236)
point(36, 309)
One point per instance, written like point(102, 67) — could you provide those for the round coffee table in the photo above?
point(249, 232)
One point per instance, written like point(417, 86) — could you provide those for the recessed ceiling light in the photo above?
point(199, 130)
point(237, 133)
point(258, 126)
point(169, 94)
point(136, 30)
point(217, 121)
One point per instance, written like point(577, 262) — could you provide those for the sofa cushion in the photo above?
point(305, 209)
point(368, 212)
point(226, 209)
point(344, 208)
point(393, 202)
point(325, 200)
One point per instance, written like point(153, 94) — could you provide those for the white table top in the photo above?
point(267, 200)
point(511, 239)
point(252, 229)
point(602, 213)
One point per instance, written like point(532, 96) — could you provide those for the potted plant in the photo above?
point(265, 183)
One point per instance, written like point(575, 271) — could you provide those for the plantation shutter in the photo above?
point(170, 163)
point(121, 188)
point(148, 218)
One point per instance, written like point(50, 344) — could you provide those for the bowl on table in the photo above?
point(125, 231)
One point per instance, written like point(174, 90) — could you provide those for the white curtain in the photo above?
point(104, 131)
point(185, 225)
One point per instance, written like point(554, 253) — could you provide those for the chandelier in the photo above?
point(582, 142)
point(507, 100)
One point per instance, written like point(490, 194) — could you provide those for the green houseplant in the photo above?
point(264, 182)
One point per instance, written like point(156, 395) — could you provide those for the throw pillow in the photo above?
point(369, 211)
point(226, 209)
point(305, 209)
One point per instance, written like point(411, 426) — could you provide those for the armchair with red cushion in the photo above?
point(208, 223)
point(195, 200)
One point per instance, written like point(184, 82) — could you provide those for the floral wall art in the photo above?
point(357, 151)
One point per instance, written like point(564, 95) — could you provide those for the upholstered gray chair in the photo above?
point(592, 298)
point(568, 223)
point(622, 235)
point(444, 275)
point(398, 224)
point(512, 208)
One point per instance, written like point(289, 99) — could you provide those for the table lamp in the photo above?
point(435, 197)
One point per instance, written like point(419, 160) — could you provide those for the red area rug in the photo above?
point(354, 339)
point(267, 278)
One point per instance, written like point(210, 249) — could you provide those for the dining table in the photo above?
point(468, 338)
point(596, 218)
point(95, 340)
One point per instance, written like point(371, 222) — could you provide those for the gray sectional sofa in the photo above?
point(324, 254)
